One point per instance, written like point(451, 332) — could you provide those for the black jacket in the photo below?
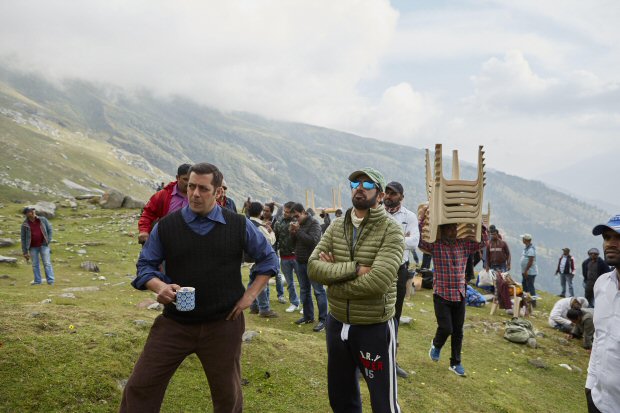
point(602, 269)
point(307, 237)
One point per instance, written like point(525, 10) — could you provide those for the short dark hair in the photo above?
point(298, 208)
point(204, 168)
point(339, 211)
point(289, 205)
point(573, 314)
point(255, 209)
point(183, 169)
point(271, 206)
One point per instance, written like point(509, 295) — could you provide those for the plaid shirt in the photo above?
point(449, 261)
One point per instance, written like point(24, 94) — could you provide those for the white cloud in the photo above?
point(400, 115)
point(530, 80)
point(509, 84)
point(276, 58)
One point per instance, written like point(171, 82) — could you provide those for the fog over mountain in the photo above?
point(261, 158)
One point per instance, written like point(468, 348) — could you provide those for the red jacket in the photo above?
point(156, 208)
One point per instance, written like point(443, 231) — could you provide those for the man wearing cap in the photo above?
point(358, 259)
point(529, 269)
point(603, 382)
point(498, 253)
point(36, 235)
point(408, 221)
point(592, 268)
point(566, 269)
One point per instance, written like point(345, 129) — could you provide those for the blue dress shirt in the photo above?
point(153, 254)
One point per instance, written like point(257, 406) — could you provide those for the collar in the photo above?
point(215, 215)
point(256, 219)
point(175, 191)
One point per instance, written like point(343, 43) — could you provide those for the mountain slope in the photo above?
point(261, 158)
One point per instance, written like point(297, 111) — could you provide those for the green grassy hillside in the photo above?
point(72, 354)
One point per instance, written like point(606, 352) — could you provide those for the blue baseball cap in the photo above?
point(613, 224)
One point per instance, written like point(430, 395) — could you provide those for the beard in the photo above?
point(613, 260)
point(389, 203)
point(364, 204)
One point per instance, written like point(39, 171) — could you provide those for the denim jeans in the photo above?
point(45, 252)
point(567, 278)
point(262, 299)
point(288, 265)
point(306, 286)
point(279, 286)
point(528, 285)
point(498, 267)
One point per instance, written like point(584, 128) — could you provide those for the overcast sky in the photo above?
point(536, 82)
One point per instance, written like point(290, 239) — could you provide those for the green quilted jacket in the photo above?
point(369, 298)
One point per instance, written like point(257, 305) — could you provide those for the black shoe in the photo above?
point(561, 295)
point(253, 310)
point(304, 321)
point(319, 327)
point(268, 314)
point(400, 372)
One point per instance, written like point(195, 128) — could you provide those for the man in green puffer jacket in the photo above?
point(358, 259)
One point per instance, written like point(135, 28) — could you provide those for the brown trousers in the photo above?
point(218, 346)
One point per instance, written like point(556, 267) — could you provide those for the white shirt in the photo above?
point(270, 236)
point(561, 307)
point(408, 221)
point(604, 368)
point(562, 265)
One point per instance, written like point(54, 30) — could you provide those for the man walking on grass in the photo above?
point(449, 288)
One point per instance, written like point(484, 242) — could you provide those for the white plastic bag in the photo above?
point(486, 278)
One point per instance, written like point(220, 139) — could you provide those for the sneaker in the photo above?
point(281, 299)
point(319, 327)
point(292, 308)
point(268, 314)
point(304, 321)
point(301, 311)
point(434, 352)
point(34, 283)
point(400, 372)
point(458, 370)
point(253, 310)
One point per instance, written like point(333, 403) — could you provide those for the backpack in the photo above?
point(519, 330)
point(246, 257)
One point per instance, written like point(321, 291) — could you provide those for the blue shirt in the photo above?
point(153, 254)
point(529, 251)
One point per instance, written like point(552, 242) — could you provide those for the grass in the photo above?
point(72, 355)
